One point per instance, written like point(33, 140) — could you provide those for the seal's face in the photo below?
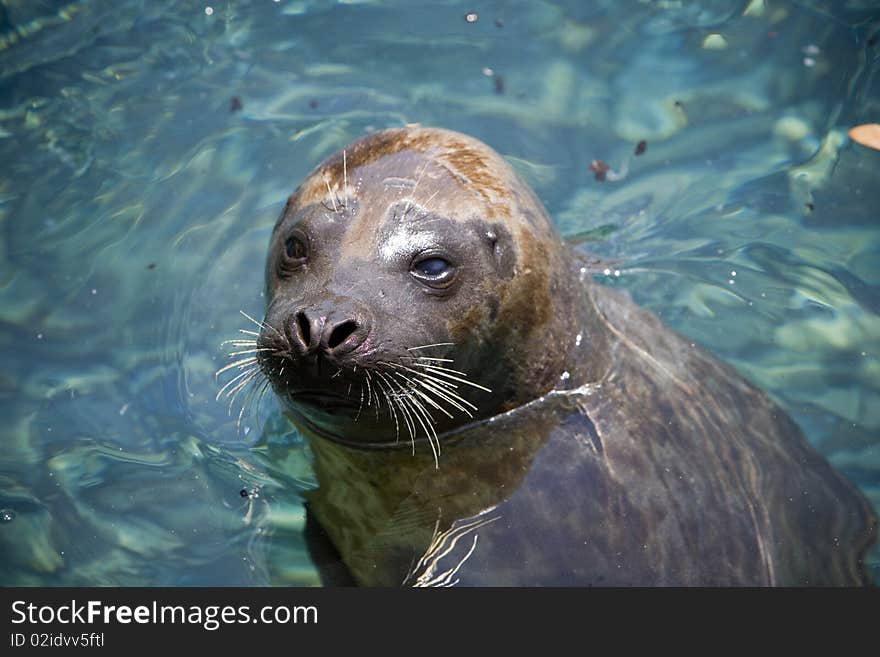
point(408, 283)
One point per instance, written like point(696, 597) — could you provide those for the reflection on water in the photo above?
point(148, 148)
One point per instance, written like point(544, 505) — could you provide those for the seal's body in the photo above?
point(481, 412)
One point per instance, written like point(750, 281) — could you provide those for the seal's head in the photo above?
point(414, 283)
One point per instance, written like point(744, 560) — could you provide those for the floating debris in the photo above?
point(235, 104)
point(499, 23)
point(313, 103)
point(599, 169)
point(499, 84)
point(641, 147)
point(604, 172)
point(867, 134)
point(471, 17)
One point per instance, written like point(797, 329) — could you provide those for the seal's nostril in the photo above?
point(341, 332)
point(302, 325)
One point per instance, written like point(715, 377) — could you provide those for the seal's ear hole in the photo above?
point(302, 323)
point(341, 332)
point(499, 240)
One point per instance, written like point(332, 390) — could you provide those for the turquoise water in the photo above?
point(147, 148)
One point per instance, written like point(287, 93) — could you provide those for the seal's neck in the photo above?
point(381, 508)
point(572, 348)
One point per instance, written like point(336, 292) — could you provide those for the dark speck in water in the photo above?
point(499, 22)
point(872, 41)
point(152, 265)
point(313, 103)
point(499, 84)
point(641, 147)
point(810, 207)
point(235, 104)
point(244, 493)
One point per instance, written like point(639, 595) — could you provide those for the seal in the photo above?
point(481, 412)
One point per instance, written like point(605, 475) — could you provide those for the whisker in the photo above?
point(410, 424)
point(263, 388)
point(450, 399)
point(412, 194)
point(244, 362)
point(438, 368)
point(244, 405)
point(436, 344)
point(390, 406)
point(232, 394)
point(375, 394)
point(438, 386)
point(431, 402)
point(361, 405)
point(430, 198)
point(344, 174)
point(369, 391)
point(249, 351)
point(407, 417)
point(404, 411)
point(424, 375)
point(421, 414)
point(233, 380)
point(418, 410)
point(260, 324)
point(442, 371)
point(412, 389)
point(332, 195)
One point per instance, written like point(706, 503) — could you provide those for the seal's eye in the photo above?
point(434, 271)
point(296, 251)
point(433, 267)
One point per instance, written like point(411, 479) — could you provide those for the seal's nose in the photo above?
point(330, 330)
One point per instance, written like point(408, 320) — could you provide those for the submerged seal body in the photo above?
point(481, 412)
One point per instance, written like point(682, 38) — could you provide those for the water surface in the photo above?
point(148, 147)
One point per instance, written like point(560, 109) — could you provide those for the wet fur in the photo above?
point(627, 457)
